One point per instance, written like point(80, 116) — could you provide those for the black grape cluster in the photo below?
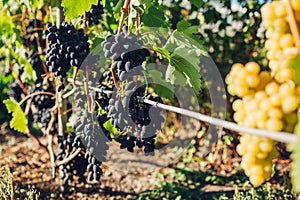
point(126, 52)
point(34, 37)
point(80, 164)
point(89, 137)
point(37, 64)
point(36, 42)
point(67, 47)
point(14, 90)
point(65, 170)
point(94, 14)
point(128, 112)
point(43, 103)
point(105, 89)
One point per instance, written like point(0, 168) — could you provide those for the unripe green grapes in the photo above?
point(268, 99)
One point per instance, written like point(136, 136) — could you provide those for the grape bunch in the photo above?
point(34, 38)
point(43, 103)
point(90, 138)
point(14, 90)
point(257, 155)
point(280, 45)
point(266, 104)
point(37, 64)
point(94, 14)
point(67, 47)
point(126, 52)
point(128, 113)
point(105, 89)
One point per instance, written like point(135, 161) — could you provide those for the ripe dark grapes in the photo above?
point(34, 35)
point(125, 50)
point(128, 112)
point(37, 64)
point(94, 14)
point(14, 90)
point(67, 47)
point(42, 101)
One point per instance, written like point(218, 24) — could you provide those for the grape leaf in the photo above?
point(175, 77)
point(161, 87)
point(182, 25)
point(37, 4)
point(29, 74)
point(185, 58)
point(73, 8)
point(153, 17)
point(19, 121)
point(117, 9)
point(109, 127)
point(295, 171)
point(197, 3)
point(6, 24)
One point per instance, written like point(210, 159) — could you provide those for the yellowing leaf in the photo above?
point(19, 121)
point(74, 8)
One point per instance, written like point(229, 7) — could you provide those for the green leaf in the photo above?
point(6, 24)
point(295, 171)
point(103, 3)
point(175, 77)
point(182, 25)
point(161, 87)
point(117, 9)
point(153, 17)
point(19, 121)
point(296, 66)
point(109, 127)
point(188, 70)
point(37, 4)
point(185, 58)
point(28, 74)
point(73, 8)
point(197, 3)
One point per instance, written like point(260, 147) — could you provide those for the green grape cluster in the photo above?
point(280, 45)
point(264, 103)
point(266, 99)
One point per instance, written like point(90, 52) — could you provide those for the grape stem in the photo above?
point(19, 81)
point(124, 10)
point(87, 88)
point(113, 73)
point(293, 25)
point(278, 136)
point(69, 158)
point(24, 12)
point(84, 23)
point(34, 94)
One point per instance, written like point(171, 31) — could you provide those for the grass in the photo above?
point(8, 190)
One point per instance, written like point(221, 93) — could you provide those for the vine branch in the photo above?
point(69, 158)
point(124, 10)
point(34, 94)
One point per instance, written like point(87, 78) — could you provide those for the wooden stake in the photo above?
point(293, 25)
